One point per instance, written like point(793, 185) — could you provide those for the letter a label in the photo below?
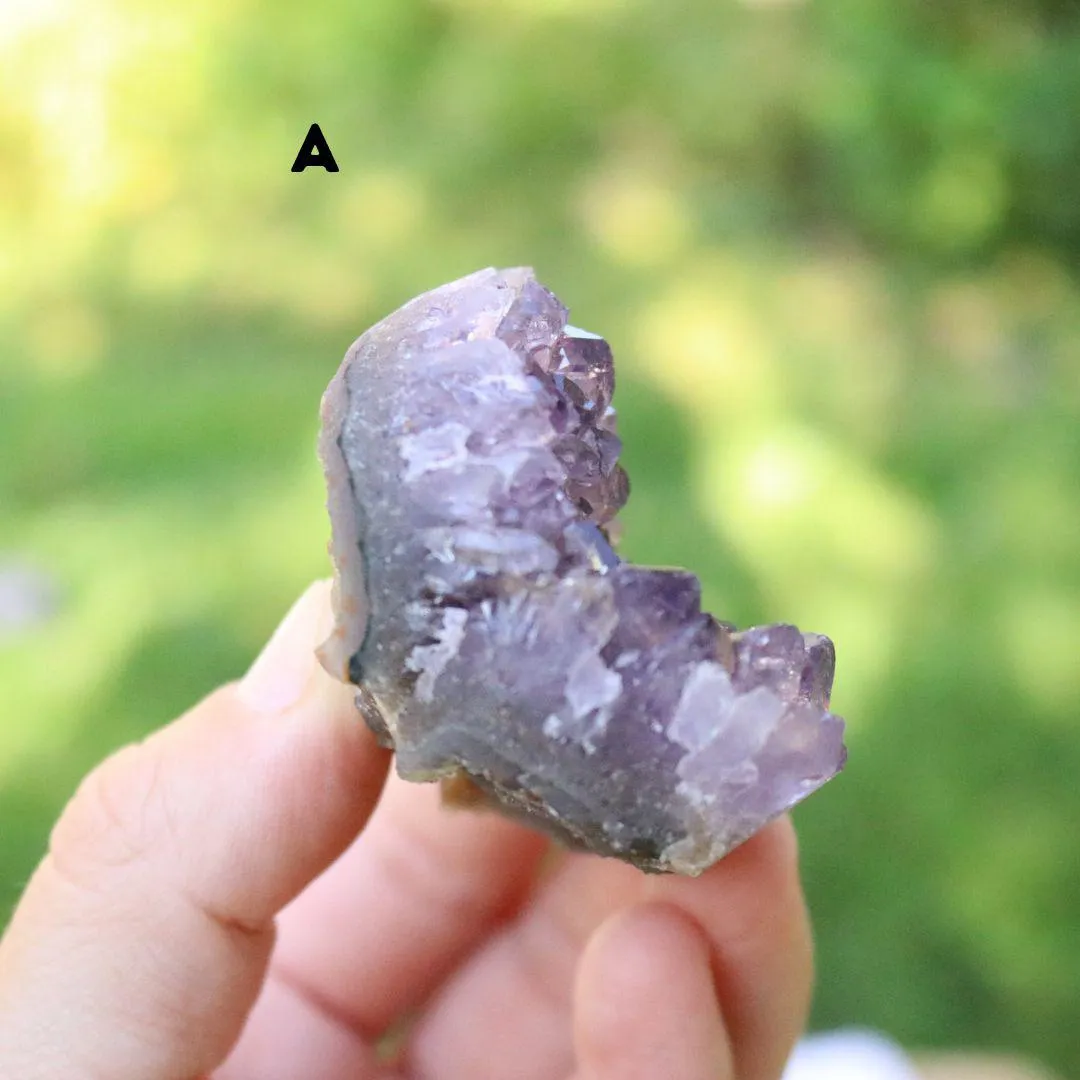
point(315, 150)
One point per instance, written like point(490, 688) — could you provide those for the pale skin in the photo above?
point(251, 894)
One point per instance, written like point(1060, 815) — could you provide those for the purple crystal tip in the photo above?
point(499, 644)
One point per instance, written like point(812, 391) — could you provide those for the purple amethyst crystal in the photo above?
point(470, 451)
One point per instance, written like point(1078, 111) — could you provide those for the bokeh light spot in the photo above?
point(961, 200)
point(965, 322)
point(1040, 630)
point(703, 343)
point(636, 219)
point(170, 254)
point(382, 208)
point(794, 502)
point(538, 8)
point(67, 339)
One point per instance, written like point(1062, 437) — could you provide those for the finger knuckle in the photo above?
point(116, 816)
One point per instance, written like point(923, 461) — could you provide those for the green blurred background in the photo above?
point(835, 247)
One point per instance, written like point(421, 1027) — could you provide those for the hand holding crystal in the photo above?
point(247, 895)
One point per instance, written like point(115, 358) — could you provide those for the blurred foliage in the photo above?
point(835, 246)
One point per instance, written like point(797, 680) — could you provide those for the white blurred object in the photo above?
point(852, 1054)
point(28, 596)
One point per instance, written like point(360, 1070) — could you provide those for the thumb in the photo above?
point(142, 939)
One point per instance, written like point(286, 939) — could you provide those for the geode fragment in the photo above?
point(470, 451)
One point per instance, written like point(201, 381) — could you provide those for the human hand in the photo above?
point(145, 947)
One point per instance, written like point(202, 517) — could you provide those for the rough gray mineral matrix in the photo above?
point(471, 456)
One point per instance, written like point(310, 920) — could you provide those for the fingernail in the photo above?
point(281, 672)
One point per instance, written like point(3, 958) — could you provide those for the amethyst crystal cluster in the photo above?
point(470, 450)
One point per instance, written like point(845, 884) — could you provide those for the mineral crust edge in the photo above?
point(498, 642)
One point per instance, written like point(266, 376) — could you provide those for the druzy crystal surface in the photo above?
point(498, 642)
